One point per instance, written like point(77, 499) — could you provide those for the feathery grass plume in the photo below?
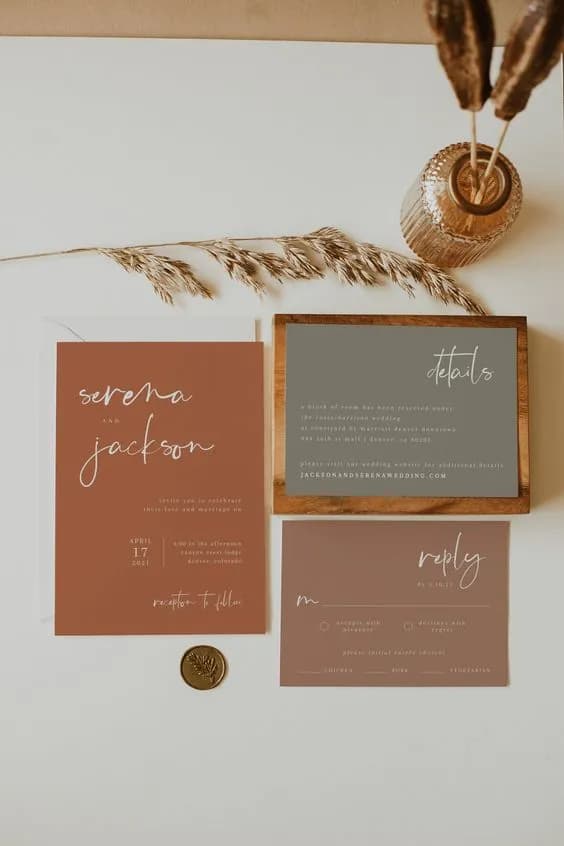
point(279, 267)
point(441, 286)
point(465, 35)
point(366, 264)
point(340, 254)
point(407, 273)
point(167, 276)
point(385, 265)
point(533, 48)
point(301, 257)
point(245, 265)
point(238, 262)
point(296, 254)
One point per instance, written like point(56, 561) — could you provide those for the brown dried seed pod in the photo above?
point(533, 48)
point(465, 35)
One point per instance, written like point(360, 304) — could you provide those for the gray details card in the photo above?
point(377, 410)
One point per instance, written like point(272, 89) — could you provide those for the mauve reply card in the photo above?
point(159, 488)
point(415, 603)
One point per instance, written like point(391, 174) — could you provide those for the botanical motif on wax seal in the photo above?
point(203, 667)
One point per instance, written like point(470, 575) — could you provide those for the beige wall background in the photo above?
point(315, 20)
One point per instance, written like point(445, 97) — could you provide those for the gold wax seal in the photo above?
point(203, 667)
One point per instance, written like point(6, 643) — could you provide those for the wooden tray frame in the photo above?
point(315, 504)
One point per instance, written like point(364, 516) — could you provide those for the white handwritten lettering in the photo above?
point(127, 396)
point(469, 565)
point(89, 470)
point(454, 366)
point(218, 601)
point(305, 600)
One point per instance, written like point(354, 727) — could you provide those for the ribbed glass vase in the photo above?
point(440, 218)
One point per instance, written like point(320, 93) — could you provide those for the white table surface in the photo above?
point(114, 142)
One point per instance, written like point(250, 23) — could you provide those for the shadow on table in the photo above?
point(533, 225)
point(546, 396)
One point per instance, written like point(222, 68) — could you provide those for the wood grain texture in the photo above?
point(333, 505)
point(400, 21)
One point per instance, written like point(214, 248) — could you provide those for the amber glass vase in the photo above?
point(440, 218)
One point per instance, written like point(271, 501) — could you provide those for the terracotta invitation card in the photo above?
point(394, 603)
point(386, 413)
point(159, 488)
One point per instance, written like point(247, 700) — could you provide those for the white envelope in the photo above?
point(77, 329)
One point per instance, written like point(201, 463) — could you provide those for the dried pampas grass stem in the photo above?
point(297, 257)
